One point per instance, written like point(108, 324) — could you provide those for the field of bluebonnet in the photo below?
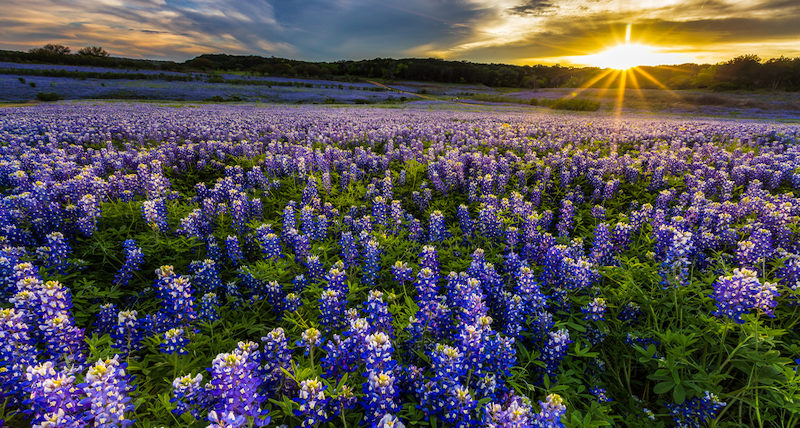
point(233, 265)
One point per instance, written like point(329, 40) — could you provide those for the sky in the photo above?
point(569, 32)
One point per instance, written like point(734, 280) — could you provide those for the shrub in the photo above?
point(48, 96)
point(575, 104)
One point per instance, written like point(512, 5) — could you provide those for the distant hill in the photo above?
point(743, 72)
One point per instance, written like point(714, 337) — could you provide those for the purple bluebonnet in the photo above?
point(56, 251)
point(742, 292)
point(154, 212)
point(107, 392)
point(235, 388)
point(133, 260)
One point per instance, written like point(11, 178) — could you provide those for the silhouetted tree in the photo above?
point(51, 49)
point(93, 51)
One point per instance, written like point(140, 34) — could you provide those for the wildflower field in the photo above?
point(239, 266)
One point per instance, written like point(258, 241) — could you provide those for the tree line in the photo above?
point(743, 72)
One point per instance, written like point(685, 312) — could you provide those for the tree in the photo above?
point(51, 49)
point(93, 51)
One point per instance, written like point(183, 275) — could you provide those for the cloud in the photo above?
point(534, 7)
point(517, 31)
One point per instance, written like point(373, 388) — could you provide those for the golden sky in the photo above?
point(507, 31)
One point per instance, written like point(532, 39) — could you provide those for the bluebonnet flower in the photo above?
point(437, 230)
point(600, 393)
point(743, 292)
point(371, 262)
point(379, 210)
point(554, 351)
point(234, 388)
point(206, 275)
point(349, 249)
point(380, 396)
point(389, 421)
point(595, 310)
point(175, 341)
point(128, 333)
point(315, 268)
point(629, 313)
point(276, 355)
point(175, 293)
point(313, 404)
point(429, 258)
point(460, 407)
point(208, 310)
point(56, 252)
point(234, 250)
point(53, 396)
point(378, 313)
point(106, 318)
point(154, 212)
point(133, 260)
point(311, 338)
point(331, 307)
point(695, 412)
point(270, 246)
point(551, 412)
point(566, 220)
point(89, 212)
point(107, 393)
point(291, 302)
point(464, 221)
point(401, 272)
point(189, 395)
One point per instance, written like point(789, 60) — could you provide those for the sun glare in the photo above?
point(627, 55)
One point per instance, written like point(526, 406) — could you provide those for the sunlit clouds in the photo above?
point(572, 32)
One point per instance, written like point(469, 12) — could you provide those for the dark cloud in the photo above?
point(534, 7)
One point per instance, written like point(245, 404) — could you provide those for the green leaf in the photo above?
point(663, 387)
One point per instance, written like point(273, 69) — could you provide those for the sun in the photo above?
point(627, 55)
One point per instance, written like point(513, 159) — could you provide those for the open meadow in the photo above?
point(428, 264)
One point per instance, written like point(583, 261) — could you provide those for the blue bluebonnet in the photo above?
point(133, 260)
point(595, 310)
point(154, 212)
point(106, 318)
point(235, 388)
point(695, 412)
point(276, 356)
point(554, 351)
point(371, 263)
point(349, 249)
point(174, 341)
point(56, 251)
point(107, 392)
point(401, 272)
point(600, 393)
point(234, 250)
point(378, 313)
point(129, 332)
point(208, 309)
point(189, 395)
point(54, 398)
point(312, 403)
point(742, 292)
point(437, 230)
